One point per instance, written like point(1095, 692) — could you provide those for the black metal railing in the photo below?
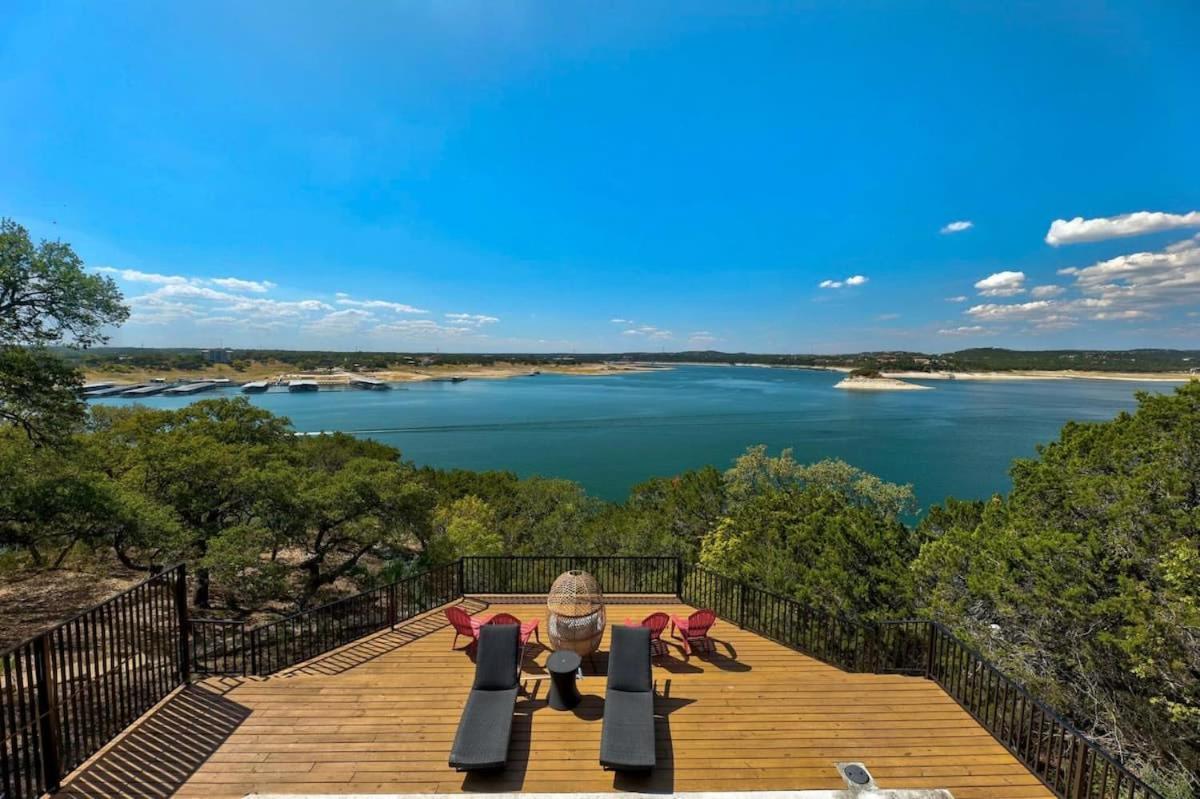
point(1058, 754)
point(71, 690)
point(219, 647)
point(535, 574)
point(67, 692)
point(825, 636)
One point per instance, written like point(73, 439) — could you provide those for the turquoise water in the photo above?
point(612, 432)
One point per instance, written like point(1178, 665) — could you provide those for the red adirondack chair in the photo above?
point(464, 624)
point(694, 629)
point(655, 623)
point(528, 628)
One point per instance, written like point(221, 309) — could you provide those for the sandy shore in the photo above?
point(1144, 377)
point(276, 371)
point(878, 384)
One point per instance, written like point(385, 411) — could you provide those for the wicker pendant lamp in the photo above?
point(577, 619)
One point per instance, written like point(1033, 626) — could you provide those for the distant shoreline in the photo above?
point(1016, 374)
point(504, 371)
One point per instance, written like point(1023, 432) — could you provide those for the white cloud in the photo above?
point(964, 330)
point(237, 284)
point(1074, 231)
point(649, 331)
point(473, 319)
point(701, 338)
point(1143, 280)
point(621, 321)
point(1046, 291)
point(425, 328)
point(386, 305)
point(959, 298)
point(134, 276)
point(957, 227)
point(1002, 312)
point(853, 280)
point(1002, 284)
point(887, 317)
point(347, 320)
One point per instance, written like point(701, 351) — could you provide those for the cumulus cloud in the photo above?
point(648, 331)
point(1074, 231)
point(347, 320)
point(1002, 284)
point(135, 276)
point(963, 330)
point(425, 328)
point(472, 319)
point(383, 305)
point(956, 227)
point(853, 280)
point(237, 284)
point(1046, 291)
point(1003, 312)
point(1143, 281)
point(959, 298)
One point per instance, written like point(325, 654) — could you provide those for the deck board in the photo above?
point(379, 717)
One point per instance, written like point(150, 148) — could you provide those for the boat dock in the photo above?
point(303, 385)
point(256, 386)
point(146, 391)
point(190, 388)
point(368, 383)
point(110, 391)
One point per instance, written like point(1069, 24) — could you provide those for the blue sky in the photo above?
point(515, 176)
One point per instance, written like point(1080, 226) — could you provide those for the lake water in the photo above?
point(611, 432)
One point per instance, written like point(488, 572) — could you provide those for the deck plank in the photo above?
point(379, 717)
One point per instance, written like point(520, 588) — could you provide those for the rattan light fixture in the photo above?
point(576, 606)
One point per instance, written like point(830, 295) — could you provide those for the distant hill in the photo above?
point(977, 359)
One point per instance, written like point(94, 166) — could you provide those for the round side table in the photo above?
point(563, 666)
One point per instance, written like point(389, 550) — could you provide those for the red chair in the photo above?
point(694, 629)
point(464, 624)
point(655, 623)
point(528, 628)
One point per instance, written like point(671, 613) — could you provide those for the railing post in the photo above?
point(47, 708)
point(679, 579)
point(1076, 788)
point(741, 604)
point(391, 605)
point(253, 651)
point(181, 613)
point(929, 657)
point(462, 584)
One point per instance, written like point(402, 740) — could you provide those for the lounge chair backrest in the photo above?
point(656, 623)
point(700, 622)
point(629, 659)
point(504, 618)
point(460, 620)
point(497, 658)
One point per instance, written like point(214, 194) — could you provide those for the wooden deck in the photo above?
point(379, 717)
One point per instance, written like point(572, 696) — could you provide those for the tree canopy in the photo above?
point(46, 298)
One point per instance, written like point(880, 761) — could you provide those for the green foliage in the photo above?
point(827, 534)
point(46, 298)
point(1086, 580)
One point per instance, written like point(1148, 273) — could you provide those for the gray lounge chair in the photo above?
point(486, 724)
point(627, 740)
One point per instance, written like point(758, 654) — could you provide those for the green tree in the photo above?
point(828, 534)
point(465, 526)
point(46, 298)
point(1085, 581)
